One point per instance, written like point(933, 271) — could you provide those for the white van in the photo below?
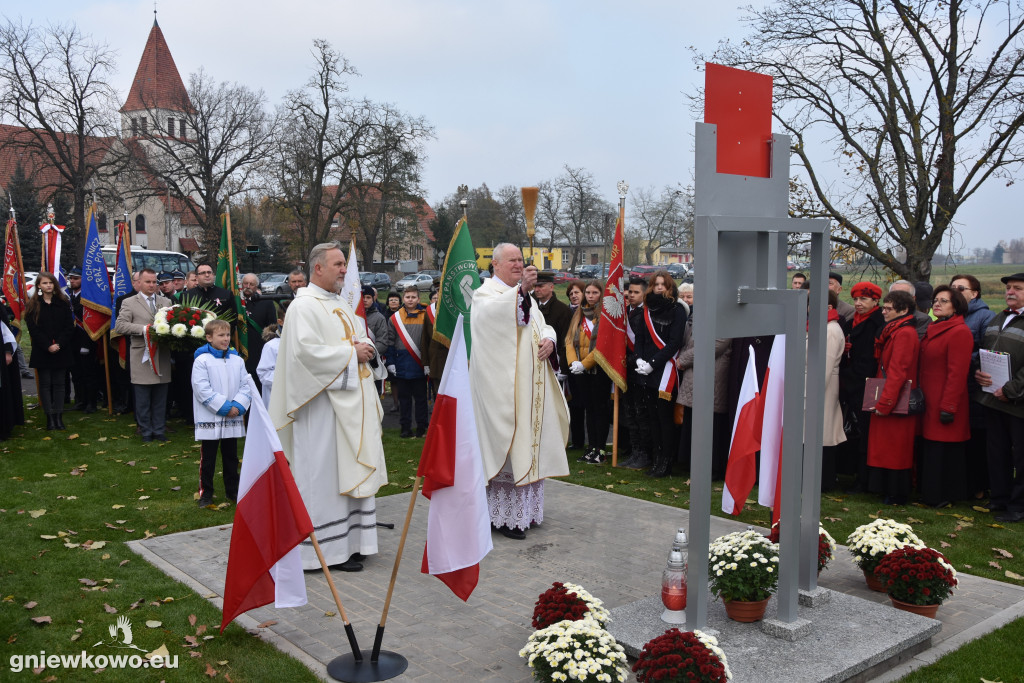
point(160, 261)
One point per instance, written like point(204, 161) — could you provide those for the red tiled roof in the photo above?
point(157, 84)
point(45, 178)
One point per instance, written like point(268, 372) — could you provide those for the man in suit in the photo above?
point(259, 312)
point(149, 379)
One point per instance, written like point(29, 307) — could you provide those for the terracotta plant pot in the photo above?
point(746, 611)
point(873, 583)
point(924, 610)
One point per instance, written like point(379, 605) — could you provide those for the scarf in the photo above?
point(890, 329)
point(833, 316)
point(590, 313)
point(859, 318)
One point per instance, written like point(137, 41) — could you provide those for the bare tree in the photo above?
point(383, 203)
point(551, 213)
point(511, 199)
point(226, 139)
point(920, 101)
point(319, 139)
point(661, 219)
point(584, 210)
point(54, 87)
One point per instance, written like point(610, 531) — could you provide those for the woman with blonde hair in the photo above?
point(51, 326)
point(587, 381)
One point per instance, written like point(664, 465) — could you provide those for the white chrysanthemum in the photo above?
point(179, 330)
point(198, 332)
point(161, 327)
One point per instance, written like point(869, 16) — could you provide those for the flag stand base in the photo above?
point(347, 668)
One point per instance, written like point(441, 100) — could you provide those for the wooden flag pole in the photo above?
point(356, 652)
point(615, 424)
point(374, 656)
point(106, 371)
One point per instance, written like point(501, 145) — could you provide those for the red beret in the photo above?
point(866, 289)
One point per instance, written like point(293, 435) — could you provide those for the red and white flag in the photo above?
point(459, 523)
point(774, 399)
point(270, 521)
point(352, 288)
point(741, 471)
point(610, 347)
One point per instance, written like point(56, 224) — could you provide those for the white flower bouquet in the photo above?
point(575, 651)
point(181, 327)
point(869, 543)
point(743, 565)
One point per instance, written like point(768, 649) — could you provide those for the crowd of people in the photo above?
point(924, 390)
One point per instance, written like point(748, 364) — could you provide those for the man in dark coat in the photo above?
point(85, 373)
point(556, 313)
point(260, 313)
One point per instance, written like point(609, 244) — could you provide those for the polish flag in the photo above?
point(458, 525)
point(741, 471)
point(352, 289)
point(270, 521)
point(770, 483)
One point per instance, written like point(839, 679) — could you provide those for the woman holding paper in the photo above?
point(891, 435)
point(945, 426)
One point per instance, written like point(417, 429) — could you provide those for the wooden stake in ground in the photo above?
point(349, 631)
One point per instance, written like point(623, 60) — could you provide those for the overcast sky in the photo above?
point(514, 90)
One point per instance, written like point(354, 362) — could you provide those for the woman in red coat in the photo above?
point(891, 436)
point(945, 426)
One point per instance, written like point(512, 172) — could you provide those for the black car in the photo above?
point(378, 281)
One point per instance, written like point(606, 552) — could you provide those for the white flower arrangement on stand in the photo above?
point(575, 651)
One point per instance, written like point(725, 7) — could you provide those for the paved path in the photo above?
point(613, 545)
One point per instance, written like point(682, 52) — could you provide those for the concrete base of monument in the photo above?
point(843, 638)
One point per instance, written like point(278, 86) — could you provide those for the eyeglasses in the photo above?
point(961, 288)
point(936, 302)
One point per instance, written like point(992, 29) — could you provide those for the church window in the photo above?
point(101, 222)
point(140, 221)
point(135, 126)
point(181, 128)
point(170, 126)
point(145, 124)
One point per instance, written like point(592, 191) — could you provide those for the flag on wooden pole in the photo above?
point(610, 347)
point(97, 303)
point(227, 278)
point(460, 278)
point(459, 523)
point(14, 273)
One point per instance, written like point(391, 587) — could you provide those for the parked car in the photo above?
point(420, 281)
point(435, 274)
point(378, 281)
point(677, 270)
point(588, 272)
point(643, 271)
point(276, 283)
point(563, 276)
point(263, 276)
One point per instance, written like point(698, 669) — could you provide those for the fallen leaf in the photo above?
point(69, 544)
point(979, 508)
point(42, 620)
point(997, 526)
point(191, 620)
point(1014, 575)
point(36, 514)
point(192, 641)
point(123, 563)
point(329, 614)
point(265, 624)
point(108, 609)
point(117, 507)
point(72, 436)
point(201, 629)
point(943, 544)
point(87, 582)
point(223, 662)
point(168, 599)
point(143, 497)
point(105, 556)
point(994, 564)
point(159, 652)
point(154, 624)
point(834, 519)
point(130, 463)
point(210, 671)
point(967, 566)
point(1003, 553)
point(194, 654)
point(48, 537)
point(914, 520)
point(30, 604)
point(102, 438)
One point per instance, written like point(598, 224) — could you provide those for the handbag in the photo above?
point(909, 402)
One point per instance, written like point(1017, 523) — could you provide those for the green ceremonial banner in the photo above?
point(226, 279)
point(459, 280)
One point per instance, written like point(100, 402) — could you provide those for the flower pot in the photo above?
point(873, 583)
point(924, 610)
point(746, 611)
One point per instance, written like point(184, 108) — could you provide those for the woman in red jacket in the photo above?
point(945, 426)
point(891, 436)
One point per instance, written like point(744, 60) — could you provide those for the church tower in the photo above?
point(157, 99)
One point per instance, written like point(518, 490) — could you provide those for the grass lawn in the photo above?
point(69, 500)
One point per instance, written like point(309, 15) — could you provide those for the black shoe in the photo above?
point(996, 507)
point(89, 409)
point(586, 456)
point(514, 534)
point(58, 421)
point(147, 439)
point(206, 501)
point(406, 434)
point(642, 462)
point(597, 457)
point(357, 557)
point(628, 462)
point(348, 565)
point(420, 433)
point(1012, 516)
point(662, 468)
point(160, 437)
point(941, 504)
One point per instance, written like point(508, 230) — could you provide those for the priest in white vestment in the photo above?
point(327, 413)
point(521, 414)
